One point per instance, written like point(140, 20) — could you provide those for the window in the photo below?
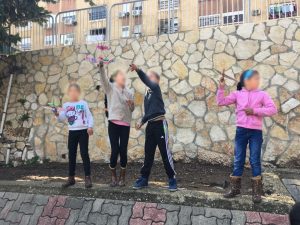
point(164, 4)
point(96, 35)
point(67, 39)
point(25, 44)
point(233, 17)
point(50, 21)
point(126, 8)
point(164, 24)
point(125, 31)
point(138, 6)
point(69, 18)
point(137, 9)
point(97, 13)
point(137, 29)
point(50, 40)
point(282, 10)
point(210, 20)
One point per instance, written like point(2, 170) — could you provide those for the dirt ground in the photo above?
point(193, 175)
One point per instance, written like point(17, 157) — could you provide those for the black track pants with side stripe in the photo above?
point(157, 135)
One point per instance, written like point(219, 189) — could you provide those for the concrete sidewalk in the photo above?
point(277, 201)
point(31, 209)
point(45, 202)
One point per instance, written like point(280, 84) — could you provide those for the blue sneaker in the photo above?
point(140, 183)
point(172, 184)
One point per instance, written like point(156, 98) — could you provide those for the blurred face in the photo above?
point(152, 76)
point(120, 79)
point(73, 93)
point(253, 82)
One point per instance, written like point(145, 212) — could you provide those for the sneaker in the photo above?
point(172, 184)
point(140, 183)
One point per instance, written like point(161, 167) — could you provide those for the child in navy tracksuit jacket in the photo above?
point(156, 130)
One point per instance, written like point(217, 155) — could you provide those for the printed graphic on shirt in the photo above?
point(75, 112)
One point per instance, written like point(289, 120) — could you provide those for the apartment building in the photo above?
point(75, 22)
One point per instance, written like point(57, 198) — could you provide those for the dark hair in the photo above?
point(241, 83)
point(295, 214)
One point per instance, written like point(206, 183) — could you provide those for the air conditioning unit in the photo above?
point(123, 14)
point(256, 12)
point(68, 41)
point(136, 12)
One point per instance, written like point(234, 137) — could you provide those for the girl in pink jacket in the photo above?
point(252, 105)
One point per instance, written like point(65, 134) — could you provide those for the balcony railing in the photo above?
point(138, 18)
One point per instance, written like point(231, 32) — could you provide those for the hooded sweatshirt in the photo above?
point(118, 109)
point(258, 100)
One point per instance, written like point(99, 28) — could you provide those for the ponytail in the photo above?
point(240, 84)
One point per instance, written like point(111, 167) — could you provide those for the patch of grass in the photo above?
point(24, 117)
point(33, 161)
point(22, 101)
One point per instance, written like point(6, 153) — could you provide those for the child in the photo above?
point(120, 107)
point(252, 105)
point(156, 130)
point(80, 122)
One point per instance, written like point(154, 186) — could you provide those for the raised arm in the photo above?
point(106, 85)
point(146, 80)
point(144, 77)
point(268, 109)
point(223, 100)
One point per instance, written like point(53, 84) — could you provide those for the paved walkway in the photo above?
point(30, 209)
point(293, 186)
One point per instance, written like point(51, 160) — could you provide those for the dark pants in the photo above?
point(81, 137)
point(119, 136)
point(244, 137)
point(157, 135)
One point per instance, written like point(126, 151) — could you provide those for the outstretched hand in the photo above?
point(101, 64)
point(133, 67)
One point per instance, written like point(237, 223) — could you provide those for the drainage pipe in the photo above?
point(7, 154)
point(6, 105)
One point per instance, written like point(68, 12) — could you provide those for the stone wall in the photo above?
point(189, 64)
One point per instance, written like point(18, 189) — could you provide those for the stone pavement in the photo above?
point(31, 209)
point(293, 186)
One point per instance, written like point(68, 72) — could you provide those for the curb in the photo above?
point(274, 203)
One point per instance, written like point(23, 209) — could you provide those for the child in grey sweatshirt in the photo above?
point(120, 103)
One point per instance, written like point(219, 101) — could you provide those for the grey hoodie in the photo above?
point(118, 108)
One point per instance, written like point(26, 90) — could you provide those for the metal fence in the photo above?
point(137, 18)
point(87, 26)
point(226, 12)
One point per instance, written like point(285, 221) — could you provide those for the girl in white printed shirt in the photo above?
point(80, 123)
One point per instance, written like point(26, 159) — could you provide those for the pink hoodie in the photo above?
point(258, 100)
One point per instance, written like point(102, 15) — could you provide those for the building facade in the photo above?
point(75, 22)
